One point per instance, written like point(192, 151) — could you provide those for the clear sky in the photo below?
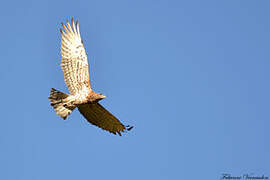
point(191, 76)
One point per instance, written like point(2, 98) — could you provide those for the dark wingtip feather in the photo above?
point(129, 127)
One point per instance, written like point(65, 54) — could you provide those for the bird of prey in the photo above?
point(74, 64)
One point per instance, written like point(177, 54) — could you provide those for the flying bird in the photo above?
point(74, 64)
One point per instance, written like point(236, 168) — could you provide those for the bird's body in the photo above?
point(74, 64)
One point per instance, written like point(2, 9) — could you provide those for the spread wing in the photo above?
point(99, 116)
point(74, 61)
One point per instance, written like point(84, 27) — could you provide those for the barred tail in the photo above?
point(59, 104)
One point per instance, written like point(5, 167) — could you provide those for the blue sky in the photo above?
point(191, 76)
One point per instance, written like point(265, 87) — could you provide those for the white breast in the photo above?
point(81, 96)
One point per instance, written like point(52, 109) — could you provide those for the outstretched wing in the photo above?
point(99, 116)
point(74, 61)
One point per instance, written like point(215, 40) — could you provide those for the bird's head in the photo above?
point(95, 97)
point(100, 96)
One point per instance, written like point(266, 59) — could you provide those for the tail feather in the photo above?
point(59, 103)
